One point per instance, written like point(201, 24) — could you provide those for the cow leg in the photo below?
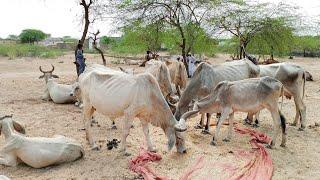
point(230, 128)
point(126, 130)
point(200, 124)
point(145, 127)
point(8, 160)
point(300, 111)
point(248, 119)
point(206, 128)
point(113, 125)
point(276, 126)
point(224, 115)
point(256, 121)
point(87, 113)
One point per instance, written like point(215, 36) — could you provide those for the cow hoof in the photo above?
point(95, 148)
point(205, 131)
point(269, 146)
point(293, 124)
point(198, 126)
point(213, 143)
point(301, 129)
point(154, 150)
point(113, 127)
point(126, 154)
point(255, 125)
point(283, 145)
point(132, 126)
point(226, 140)
point(247, 122)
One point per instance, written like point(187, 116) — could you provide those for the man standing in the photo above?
point(191, 64)
point(80, 59)
point(147, 58)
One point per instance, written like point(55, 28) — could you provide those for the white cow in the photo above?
point(249, 95)
point(58, 93)
point(36, 152)
point(117, 94)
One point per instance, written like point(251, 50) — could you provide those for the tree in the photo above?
point(32, 35)
point(13, 37)
point(275, 37)
point(184, 15)
point(307, 44)
point(94, 43)
point(245, 20)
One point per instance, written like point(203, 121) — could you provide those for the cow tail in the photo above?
point(304, 84)
point(283, 123)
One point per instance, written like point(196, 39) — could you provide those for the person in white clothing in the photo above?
point(191, 64)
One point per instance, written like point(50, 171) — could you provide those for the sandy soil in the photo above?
point(20, 94)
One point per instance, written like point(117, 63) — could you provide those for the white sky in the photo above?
point(58, 17)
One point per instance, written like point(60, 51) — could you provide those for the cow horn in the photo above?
point(6, 116)
point(169, 103)
point(41, 69)
point(188, 114)
point(52, 68)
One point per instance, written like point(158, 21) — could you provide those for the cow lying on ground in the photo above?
point(115, 94)
point(249, 95)
point(58, 93)
point(36, 152)
point(293, 79)
point(206, 77)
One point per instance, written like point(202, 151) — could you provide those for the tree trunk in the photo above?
point(101, 53)
point(304, 53)
point(183, 49)
point(272, 58)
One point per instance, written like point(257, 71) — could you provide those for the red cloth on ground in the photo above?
point(139, 164)
point(260, 164)
point(198, 165)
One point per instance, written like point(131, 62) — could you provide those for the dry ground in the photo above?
point(20, 94)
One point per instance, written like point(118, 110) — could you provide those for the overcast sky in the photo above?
point(58, 17)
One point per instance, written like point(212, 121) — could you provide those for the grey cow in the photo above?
point(206, 77)
point(293, 78)
point(249, 95)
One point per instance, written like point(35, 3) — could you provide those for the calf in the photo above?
point(249, 95)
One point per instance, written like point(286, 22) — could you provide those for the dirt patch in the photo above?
point(21, 92)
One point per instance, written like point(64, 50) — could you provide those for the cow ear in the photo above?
point(42, 76)
point(167, 63)
point(18, 127)
point(55, 76)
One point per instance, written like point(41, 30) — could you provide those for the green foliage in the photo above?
point(32, 35)
point(28, 50)
point(12, 37)
point(107, 40)
point(69, 39)
point(137, 39)
point(309, 43)
point(274, 38)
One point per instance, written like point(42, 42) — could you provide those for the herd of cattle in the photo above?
point(162, 97)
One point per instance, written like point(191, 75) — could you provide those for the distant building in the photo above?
point(50, 41)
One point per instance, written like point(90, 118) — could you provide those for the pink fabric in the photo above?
point(198, 165)
point(139, 165)
point(259, 164)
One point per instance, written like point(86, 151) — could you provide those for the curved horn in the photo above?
point(52, 68)
point(41, 69)
point(168, 101)
point(6, 116)
point(181, 125)
point(188, 114)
